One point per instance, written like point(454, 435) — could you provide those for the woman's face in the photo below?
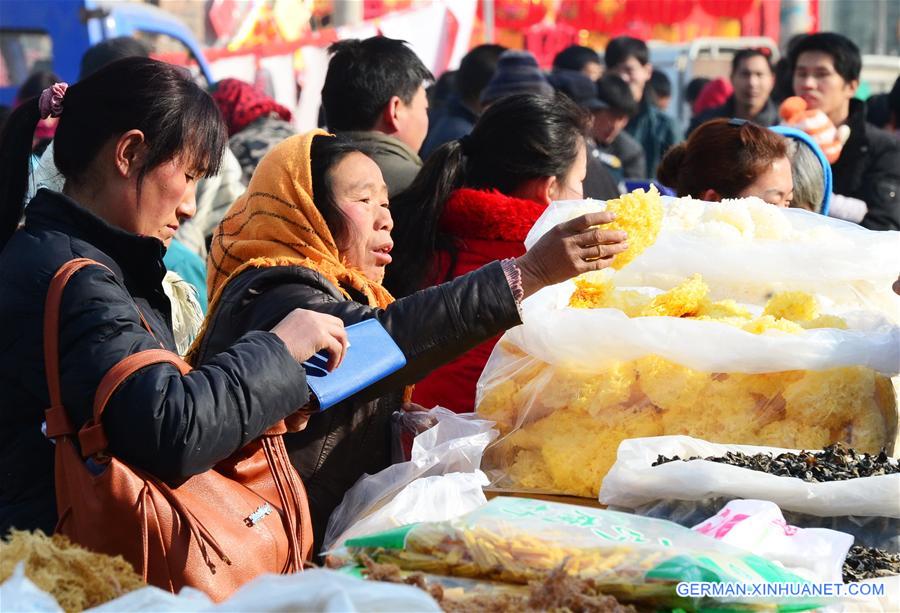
point(775, 185)
point(361, 195)
point(166, 198)
point(571, 187)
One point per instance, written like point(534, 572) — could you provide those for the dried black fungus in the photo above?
point(836, 462)
point(870, 563)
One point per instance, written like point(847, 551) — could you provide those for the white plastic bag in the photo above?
point(19, 594)
point(633, 481)
point(567, 386)
point(435, 498)
point(688, 492)
point(325, 591)
point(746, 248)
point(757, 526)
point(847, 267)
point(154, 600)
point(454, 445)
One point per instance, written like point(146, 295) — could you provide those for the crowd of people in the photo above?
point(410, 215)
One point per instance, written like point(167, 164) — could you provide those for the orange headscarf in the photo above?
point(276, 223)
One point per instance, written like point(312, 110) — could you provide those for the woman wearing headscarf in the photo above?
point(313, 231)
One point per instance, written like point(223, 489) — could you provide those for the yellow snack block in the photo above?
point(640, 214)
point(564, 427)
point(796, 306)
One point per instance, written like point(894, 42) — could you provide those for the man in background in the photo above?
point(618, 150)
point(662, 89)
point(580, 59)
point(599, 183)
point(753, 78)
point(463, 108)
point(374, 94)
point(826, 68)
point(629, 59)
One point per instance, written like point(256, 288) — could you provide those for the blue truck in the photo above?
point(54, 34)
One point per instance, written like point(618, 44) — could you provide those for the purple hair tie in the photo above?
point(51, 102)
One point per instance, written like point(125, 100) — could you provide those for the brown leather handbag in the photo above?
point(247, 516)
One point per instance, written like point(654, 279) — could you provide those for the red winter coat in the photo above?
point(486, 226)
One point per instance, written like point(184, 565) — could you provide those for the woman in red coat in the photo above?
point(474, 201)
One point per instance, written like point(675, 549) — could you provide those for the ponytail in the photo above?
point(669, 170)
point(518, 138)
point(417, 213)
point(15, 165)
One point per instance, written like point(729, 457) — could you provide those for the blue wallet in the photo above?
point(371, 356)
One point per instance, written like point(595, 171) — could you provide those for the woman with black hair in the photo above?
point(132, 141)
point(314, 231)
point(474, 201)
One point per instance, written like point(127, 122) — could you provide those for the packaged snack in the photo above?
point(519, 540)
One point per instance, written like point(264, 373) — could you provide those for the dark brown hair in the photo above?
point(722, 154)
point(176, 116)
point(519, 137)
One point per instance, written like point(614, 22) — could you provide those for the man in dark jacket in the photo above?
point(753, 78)
point(374, 93)
point(599, 183)
point(826, 75)
point(617, 149)
point(580, 59)
point(629, 59)
point(475, 72)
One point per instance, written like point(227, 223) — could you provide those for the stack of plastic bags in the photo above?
point(734, 322)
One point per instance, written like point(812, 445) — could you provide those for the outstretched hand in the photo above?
point(569, 249)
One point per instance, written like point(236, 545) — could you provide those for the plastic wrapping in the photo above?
point(517, 540)
point(326, 591)
point(454, 444)
point(19, 594)
point(571, 383)
point(311, 590)
point(688, 492)
point(757, 526)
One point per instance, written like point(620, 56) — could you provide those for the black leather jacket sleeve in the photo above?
point(171, 425)
point(880, 184)
point(431, 326)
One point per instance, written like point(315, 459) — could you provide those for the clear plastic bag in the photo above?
point(326, 591)
point(454, 444)
point(18, 593)
point(567, 386)
point(688, 492)
point(758, 526)
point(518, 540)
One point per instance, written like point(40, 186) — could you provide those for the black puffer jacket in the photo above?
point(171, 425)
point(869, 169)
point(432, 327)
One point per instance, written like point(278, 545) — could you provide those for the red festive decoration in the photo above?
point(376, 8)
point(517, 14)
point(659, 11)
point(594, 15)
point(734, 9)
point(546, 40)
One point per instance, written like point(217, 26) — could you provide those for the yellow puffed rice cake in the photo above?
point(564, 428)
point(640, 214)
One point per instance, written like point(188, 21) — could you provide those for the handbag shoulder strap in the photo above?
point(92, 436)
point(58, 421)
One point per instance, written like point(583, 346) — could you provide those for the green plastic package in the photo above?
point(637, 559)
